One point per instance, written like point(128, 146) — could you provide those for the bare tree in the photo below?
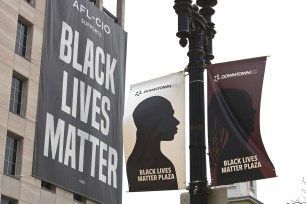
point(298, 201)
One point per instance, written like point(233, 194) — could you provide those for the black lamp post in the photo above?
point(195, 27)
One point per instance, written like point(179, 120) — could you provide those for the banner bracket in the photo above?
point(203, 67)
point(196, 81)
point(198, 187)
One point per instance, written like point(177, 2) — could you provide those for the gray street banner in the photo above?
point(78, 143)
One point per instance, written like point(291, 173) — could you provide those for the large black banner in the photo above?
point(78, 144)
point(236, 150)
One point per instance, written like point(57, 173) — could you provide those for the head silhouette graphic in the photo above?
point(155, 122)
point(231, 118)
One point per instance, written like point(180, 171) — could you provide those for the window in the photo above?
point(24, 37)
point(251, 184)
point(16, 95)
point(79, 198)
point(48, 186)
point(21, 38)
point(6, 200)
point(31, 2)
point(10, 159)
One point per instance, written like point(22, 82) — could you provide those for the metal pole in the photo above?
point(198, 175)
point(195, 27)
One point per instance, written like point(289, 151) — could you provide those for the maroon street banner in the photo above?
point(236, 150)
point(154, 134)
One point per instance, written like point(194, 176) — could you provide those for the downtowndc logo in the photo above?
point(138, 93)
point(218, 77)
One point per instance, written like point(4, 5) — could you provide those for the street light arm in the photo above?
point(198, 18)
point(183, 9)
point(189, 19)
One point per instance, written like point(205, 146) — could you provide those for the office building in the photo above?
point(21, 44)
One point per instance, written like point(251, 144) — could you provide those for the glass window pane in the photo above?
point(6, 154)
point(14, 156)
point(21, 38)
point(10, 155)
point(13, 167)
point(23, 51)
point(18, 108)
point(9, 168)
point(10, 143)
point(21, 28)
point(25, 30)
point(20, 85)
point(17, 83)
point(3, 201)
point(15, 108)
point(16, 95)
point(5, 167)
point(15, 143)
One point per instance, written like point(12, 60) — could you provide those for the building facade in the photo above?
point(21, 42)
point(238, 193)
point(242, 193)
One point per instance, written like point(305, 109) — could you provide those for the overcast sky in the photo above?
point(245, 29)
